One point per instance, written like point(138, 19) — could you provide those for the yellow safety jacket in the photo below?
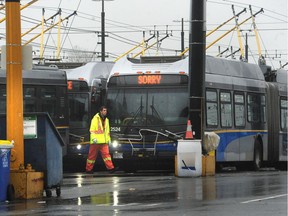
point(97, 131)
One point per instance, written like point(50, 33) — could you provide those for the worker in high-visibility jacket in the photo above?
point(99, 141)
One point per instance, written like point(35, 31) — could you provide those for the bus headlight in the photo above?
point(115, 144)
point(78, 146)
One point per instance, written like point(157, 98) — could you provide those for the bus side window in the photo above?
point(284, 114)
point(226, 109)
point(239, 110)
point(211, 108)
point(263, 108)
point(48, 100)
point(256, 108)
point(2, 98)
point(29, 96)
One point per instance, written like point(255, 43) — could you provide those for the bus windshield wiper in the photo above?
point(155, 113)
point(138, 111)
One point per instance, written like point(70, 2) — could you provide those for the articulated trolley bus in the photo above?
point(44, 90)
point(86, 92)
point(148, 108)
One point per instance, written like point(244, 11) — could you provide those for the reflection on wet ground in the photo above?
point(83, 195)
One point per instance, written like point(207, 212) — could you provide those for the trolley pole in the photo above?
point(197, 58)
point(14, 85)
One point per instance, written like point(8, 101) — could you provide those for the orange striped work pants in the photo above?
point(93, 152)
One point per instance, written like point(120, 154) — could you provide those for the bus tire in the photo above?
point(258, 155)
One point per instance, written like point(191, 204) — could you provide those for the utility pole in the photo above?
point(197, 63)
point(182, 35)
point(103, 31)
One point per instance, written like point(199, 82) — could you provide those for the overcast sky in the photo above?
point(127, 19)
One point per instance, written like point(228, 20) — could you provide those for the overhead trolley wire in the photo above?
point(70, 25)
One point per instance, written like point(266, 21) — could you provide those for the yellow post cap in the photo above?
point(6, 144)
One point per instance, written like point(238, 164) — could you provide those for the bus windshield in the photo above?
point(147, 106)
point(78, 110)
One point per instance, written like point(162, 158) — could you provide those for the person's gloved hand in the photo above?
point(94, 140)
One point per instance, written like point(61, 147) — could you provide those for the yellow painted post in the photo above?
point(14, 81)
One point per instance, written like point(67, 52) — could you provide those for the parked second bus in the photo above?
point(148, 108)
point(86, 92)
point(44, 90)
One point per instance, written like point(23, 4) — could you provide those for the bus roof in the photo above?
point(282, 76)
point(39, 76)
point(90, 71)
point(218, 66)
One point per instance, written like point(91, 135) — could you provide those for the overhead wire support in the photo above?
point(232, 53)
point(158, 41)
point(232, 29)
point(284, 65)
point(30, 30)
point(221, 53)
point(74, 13)
point(238, 33)
point(135, 47)
point(224, 23)
point(218, 27)
point(21, 8)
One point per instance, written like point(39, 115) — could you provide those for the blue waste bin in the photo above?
point(5, 151)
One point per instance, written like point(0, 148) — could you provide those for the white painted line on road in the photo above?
point(266, 198)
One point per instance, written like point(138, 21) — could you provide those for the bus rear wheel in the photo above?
point(258, 156)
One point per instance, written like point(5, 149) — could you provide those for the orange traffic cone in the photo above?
point(189, 134)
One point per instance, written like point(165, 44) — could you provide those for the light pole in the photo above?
point(102, 30)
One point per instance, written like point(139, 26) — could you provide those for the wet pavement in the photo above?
point(232, 193)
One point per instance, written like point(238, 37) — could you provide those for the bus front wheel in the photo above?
point(258, 156)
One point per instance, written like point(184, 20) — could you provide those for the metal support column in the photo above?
point(14, 81)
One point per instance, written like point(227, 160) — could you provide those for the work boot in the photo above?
point(89, 172)
point(114, 170)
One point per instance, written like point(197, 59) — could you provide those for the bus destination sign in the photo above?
point(149, 79)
